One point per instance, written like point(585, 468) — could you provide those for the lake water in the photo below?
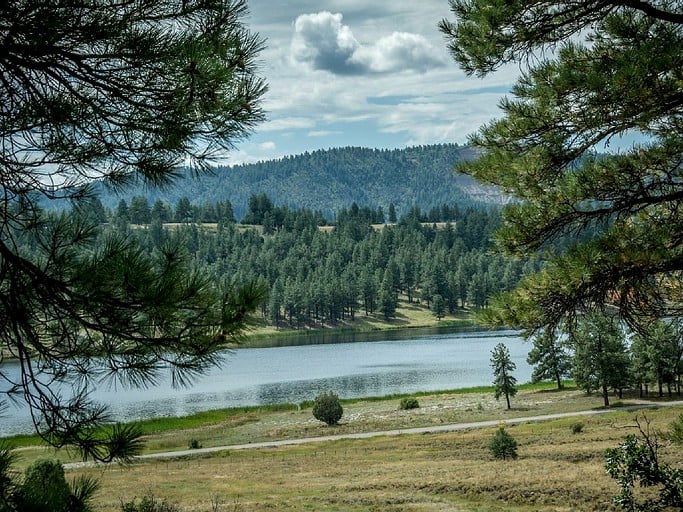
point(292, 374)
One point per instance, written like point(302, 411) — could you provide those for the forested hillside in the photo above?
point(333, 179)
point(316, 274)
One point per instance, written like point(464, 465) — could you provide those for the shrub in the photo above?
point(503, 445)
point(194, 444)
point(576, 427)
point(635, 464)
point(675, 434)
point(45, 488)
point(149, 504)
point(409, 403)
point(327, 408)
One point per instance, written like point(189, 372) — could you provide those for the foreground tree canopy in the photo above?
point(594, 72)
point(122, 91)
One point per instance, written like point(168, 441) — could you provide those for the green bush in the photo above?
point(45, 488)
point(503, 445)
point(194, 444)
point(149, 504)
point(409, 403)
point(576, 427)
point(675, 434)
point(327, 408)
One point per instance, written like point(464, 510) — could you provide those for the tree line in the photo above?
point(332, 179)
point(602, 354)
point(317, 272)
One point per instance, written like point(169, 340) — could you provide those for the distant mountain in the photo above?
point(328, 180)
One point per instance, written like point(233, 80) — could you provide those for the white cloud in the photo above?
point(267, 146)
point(287, 123)
point(333, 78)
point(399, 51)
point(324, 133)
point(324, 42)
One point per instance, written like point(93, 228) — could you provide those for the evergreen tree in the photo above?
point(123, 92)
point(139, 212)
point(503, 366)
point(600, 356)
point(550, 358)
point(388, 299)
point(438, 306)
point(121, 211)
point(183, 210)
point(614, 70)
point(161, 211)
point(392, 213)
point(656, 352)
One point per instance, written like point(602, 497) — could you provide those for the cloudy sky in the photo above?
point(373, 73)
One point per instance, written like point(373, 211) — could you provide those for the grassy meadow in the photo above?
point(557, 469)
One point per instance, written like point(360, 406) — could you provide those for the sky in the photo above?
point(371, 73)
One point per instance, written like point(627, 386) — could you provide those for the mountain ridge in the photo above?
point(331, 179)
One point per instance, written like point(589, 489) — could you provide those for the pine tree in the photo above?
point(123, 92)
point(593, 72)
point(503, 366)
point(550, 357)
point(600, 359)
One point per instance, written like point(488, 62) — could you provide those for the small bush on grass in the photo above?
point(149, 504)
point(46, 490)
point(409, 403)
point(576, 427)
point(675, 434)
point(327, 408)
point(635, 464)
point(194, 444)
point(503, 445)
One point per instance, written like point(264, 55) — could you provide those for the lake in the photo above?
point(293, 374)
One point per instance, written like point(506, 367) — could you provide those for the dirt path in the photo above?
point(407, 431)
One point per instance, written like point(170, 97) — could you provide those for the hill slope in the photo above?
point(329, 180)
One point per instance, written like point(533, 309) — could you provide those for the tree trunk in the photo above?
point(507, 399)
point(605, 394)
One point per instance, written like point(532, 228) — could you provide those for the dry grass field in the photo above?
point(557, 470)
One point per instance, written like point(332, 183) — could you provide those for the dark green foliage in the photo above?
point(331, 180)
point(550, 357)
point(656, 354)
point(438, 306)
point(8, 485)
point(194, 444)
point(117, 93)
point(675, 434)
point(327, 408)
point(636, 464)
point(409, 403)
point(149, 503)
point(44, 489)
point(608, 70)
point(324, 276)
point(601, 359)
point(503, 445)
point(576, 427)
point(503, 366)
